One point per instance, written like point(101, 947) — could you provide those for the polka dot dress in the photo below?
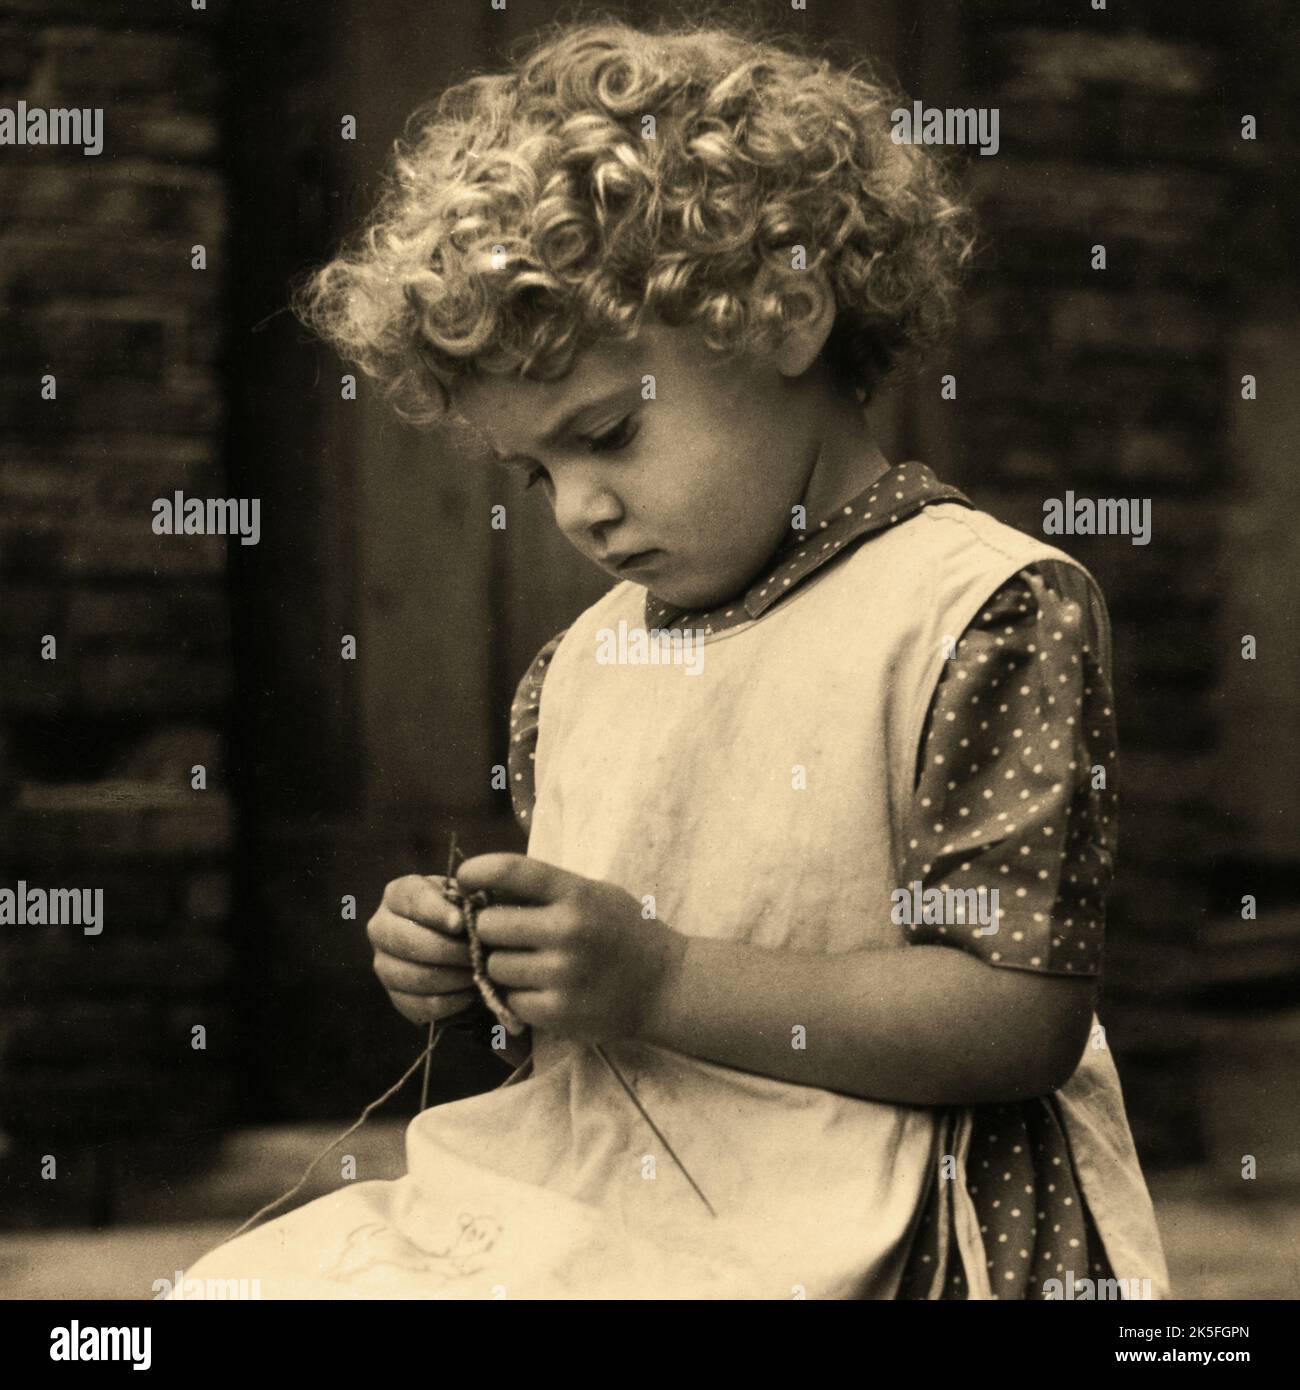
point(1021, 718)
point(1034, 1223)
point(1020, 722)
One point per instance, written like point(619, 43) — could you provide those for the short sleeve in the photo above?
point(525, 712)
point(1015, 787)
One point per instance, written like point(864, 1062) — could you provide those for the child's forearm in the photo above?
point(922, 1025)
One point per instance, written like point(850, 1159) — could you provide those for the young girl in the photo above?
point(808, 933)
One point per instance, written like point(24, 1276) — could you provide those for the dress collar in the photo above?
point(893, 497)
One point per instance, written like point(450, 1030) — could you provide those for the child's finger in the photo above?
point(523, 969)
point(407, 940)
point(516, 928)
point(538, 1008)
point(432, 1008)
point(418, 897)
point(405, 977)
point(513, 878)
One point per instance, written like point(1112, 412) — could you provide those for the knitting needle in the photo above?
point(658, 1133)
point(428, 1062)
point(433, 1027)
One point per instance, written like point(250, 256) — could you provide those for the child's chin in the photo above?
point(701, 595)
point(691, 600)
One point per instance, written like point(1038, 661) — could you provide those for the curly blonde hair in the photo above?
point(615, 170)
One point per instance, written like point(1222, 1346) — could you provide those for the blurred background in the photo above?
point(327, 777)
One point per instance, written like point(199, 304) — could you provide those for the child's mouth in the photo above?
point(638, 560)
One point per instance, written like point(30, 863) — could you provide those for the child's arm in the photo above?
point(925, 1025)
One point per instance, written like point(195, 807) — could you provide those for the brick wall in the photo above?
point(96, 288)
point(1122, 128)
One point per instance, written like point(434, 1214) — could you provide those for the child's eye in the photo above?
point(618, 438)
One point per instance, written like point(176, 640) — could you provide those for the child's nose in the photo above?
point(584, 504)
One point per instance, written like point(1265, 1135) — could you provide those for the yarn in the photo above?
point(324, 1153)
point(471, 904)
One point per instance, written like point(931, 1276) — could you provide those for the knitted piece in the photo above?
point(470, 905)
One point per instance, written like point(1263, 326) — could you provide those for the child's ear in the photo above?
point(810, 304)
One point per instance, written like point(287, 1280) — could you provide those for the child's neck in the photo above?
point(848, 461)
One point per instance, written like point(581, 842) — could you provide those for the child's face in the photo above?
point(689, 492)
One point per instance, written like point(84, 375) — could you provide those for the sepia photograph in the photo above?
point(649, 651)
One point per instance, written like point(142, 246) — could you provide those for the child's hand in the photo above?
point(421, 956)
point(574, 955)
